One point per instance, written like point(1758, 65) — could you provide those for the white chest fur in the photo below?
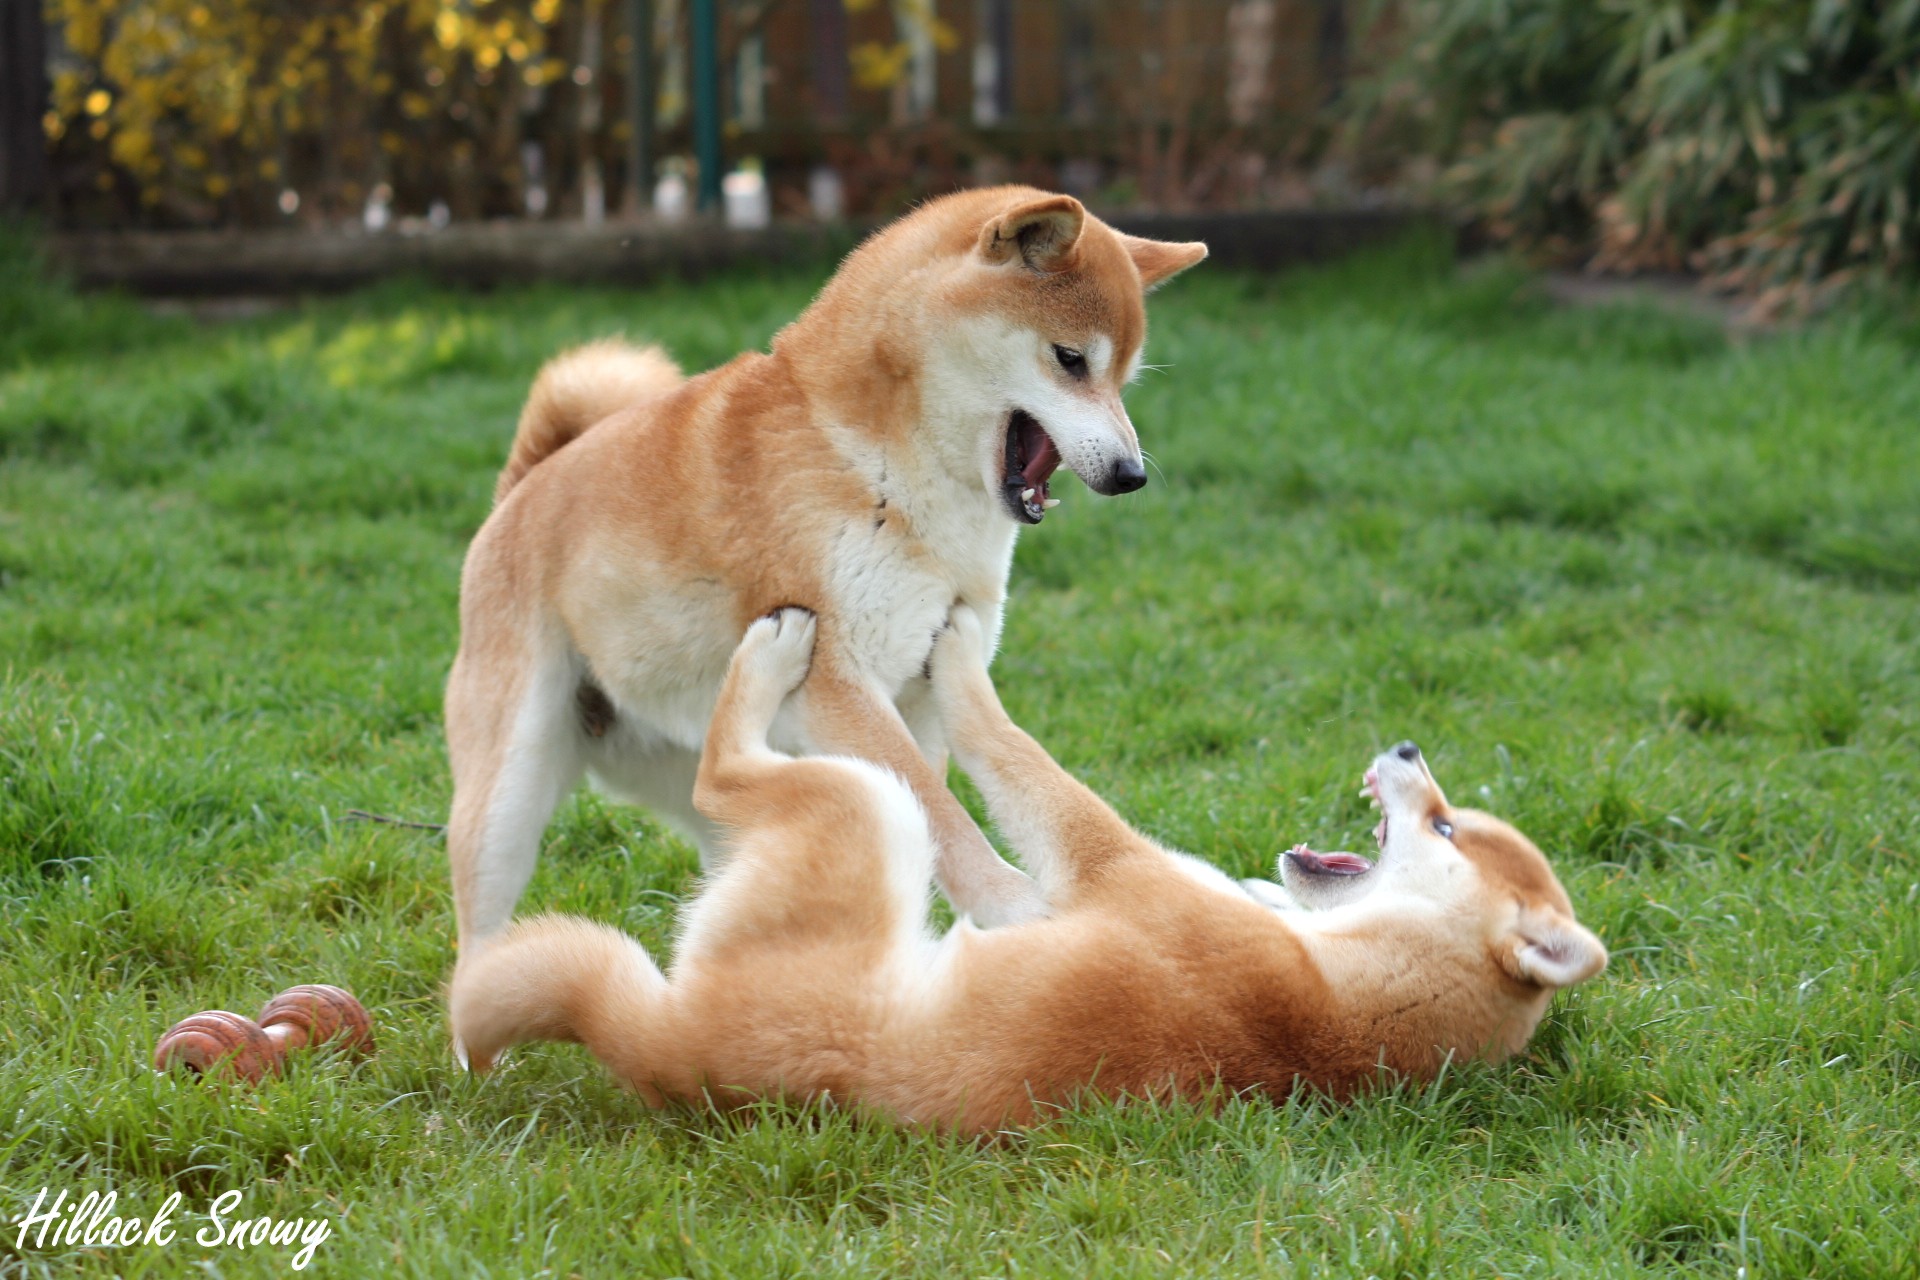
point(890, 575)
point(892, 579)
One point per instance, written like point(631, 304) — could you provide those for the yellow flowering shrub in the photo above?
point(171, 112)
point(204, 109)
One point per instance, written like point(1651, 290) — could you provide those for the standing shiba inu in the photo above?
point(874, 466)
point(805, 970)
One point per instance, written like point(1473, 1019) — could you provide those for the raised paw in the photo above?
point(779, 647)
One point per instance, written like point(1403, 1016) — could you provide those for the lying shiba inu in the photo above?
point(875, 465)
point(805, 968)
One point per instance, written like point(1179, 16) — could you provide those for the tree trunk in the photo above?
point(25, 177)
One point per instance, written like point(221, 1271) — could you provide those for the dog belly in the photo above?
point(662, 665)
point(660, 657)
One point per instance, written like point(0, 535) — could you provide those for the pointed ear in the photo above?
point(1159, 261)
point(1040, 233)
point(1550, 950)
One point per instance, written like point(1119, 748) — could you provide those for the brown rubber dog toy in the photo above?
point(298, 1018)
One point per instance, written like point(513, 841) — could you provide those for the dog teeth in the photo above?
point(1050, 503)
point(1026, 496)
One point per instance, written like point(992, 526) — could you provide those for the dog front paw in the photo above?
point(779, 647)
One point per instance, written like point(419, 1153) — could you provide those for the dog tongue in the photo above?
point(1043, 459)
point(1340, 864)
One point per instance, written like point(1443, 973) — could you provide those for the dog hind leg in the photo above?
point(823, 850)
point(514, 737)
point(826, 886)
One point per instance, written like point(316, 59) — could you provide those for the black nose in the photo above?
point(1407, 751)
point(1126, 476)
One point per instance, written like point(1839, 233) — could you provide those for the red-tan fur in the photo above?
point(804, 968)
point(586, 385)
point(643, 520)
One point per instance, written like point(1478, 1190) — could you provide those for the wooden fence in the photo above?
point(456, 110)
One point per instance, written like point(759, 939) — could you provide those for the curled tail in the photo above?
point(560, 978)
point(578, 388)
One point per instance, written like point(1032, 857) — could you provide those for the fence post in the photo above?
point(706, 101)
point(640, 94)
point(24, 173)
point(827, 20)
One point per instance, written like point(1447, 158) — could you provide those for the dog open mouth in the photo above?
point(1328, 864)
point(1344, 864)
point(1032, 458)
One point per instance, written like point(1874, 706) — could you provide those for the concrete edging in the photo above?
point(267, 263)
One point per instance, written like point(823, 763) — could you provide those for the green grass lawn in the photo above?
point(1651, 597)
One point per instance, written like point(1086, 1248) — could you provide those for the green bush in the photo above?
point(1773, 143)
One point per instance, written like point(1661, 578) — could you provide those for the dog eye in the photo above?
point(1444, 827)
point(1072, 361)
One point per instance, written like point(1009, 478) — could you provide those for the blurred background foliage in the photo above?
point(171, 113)
point(201, 111)
point(207, 112)
point(1774, 144)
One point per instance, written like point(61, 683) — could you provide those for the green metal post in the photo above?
point(706, 101)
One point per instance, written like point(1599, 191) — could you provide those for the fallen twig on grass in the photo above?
point(388, 820)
